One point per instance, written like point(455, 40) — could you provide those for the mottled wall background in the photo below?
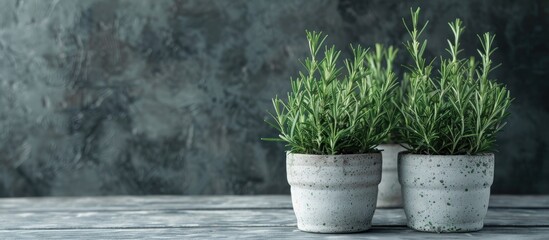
point(168, 97)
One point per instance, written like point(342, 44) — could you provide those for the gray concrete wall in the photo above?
point(168, 97)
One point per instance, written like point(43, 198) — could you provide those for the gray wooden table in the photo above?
point(253, 217)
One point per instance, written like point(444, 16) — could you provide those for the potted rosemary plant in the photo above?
point(381, 70)
point(331, 123)
point(450, 121)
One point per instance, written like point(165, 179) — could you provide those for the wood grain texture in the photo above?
point(224, 218)
point(123, 203)
point(248, 217)
point(512, 233)
point(519, 201)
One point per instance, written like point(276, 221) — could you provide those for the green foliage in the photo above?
point(459, 109)
point(328, 112)
point(380, 64)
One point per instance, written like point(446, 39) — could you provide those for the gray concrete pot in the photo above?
point(445, 193)
point(389, 189)
point(334, 193)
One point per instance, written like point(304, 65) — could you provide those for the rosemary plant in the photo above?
point(328, 112)
point(458, 109)
point(380, 63)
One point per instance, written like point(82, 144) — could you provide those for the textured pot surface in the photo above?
point(445, 193)
point(389, 189)
point(334, 193)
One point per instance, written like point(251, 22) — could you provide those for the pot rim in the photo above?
point(390, 144)
point(490, 154)
point(332, 155)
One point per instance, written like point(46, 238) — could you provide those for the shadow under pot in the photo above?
point(334, 193)
point(445, 193)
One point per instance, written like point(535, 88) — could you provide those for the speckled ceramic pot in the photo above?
point(445, 193)
point(389, 189)
point(334, 193)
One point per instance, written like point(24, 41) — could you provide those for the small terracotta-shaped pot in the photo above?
point(334, 193)
point(446, 193)
point(389, 195)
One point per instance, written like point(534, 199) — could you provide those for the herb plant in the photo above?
point(458, 109)
point(380, 63)
point(329, 112)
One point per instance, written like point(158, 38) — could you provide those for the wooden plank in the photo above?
point(228, 218)
point(124, 203)
point(520, 201)
point(269, 233)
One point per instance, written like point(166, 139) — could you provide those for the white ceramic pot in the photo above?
point(389, 189)
point(445, 193)
point(334, 193)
